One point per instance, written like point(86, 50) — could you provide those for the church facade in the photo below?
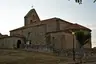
point(52, 33)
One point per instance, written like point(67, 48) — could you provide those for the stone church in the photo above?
point(52, 33)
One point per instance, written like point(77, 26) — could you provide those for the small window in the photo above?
point(53, 38)
point(33, 17)
point(31, 21)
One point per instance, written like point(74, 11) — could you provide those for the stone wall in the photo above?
point(10, 42)
point(35, 33)
point(51, 25)
point(63, 40)
point(63, 24)
point(31, 17)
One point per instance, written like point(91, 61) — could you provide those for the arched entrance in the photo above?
point(18, 43)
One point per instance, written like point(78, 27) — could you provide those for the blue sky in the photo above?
point(12, 13)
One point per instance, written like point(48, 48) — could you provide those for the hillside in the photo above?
point(29, 57)
point(25, 57)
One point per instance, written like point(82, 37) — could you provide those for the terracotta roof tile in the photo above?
point(72, 26)
point(77, 26)
point(55, 18)
point(12, 36)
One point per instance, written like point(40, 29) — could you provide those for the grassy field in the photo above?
point(25, 57)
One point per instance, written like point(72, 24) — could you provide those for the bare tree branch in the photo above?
point(80, 1)
point(94, 1)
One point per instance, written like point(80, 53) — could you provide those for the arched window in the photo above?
point(31, 21)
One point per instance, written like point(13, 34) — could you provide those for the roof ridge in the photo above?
point(56, 18)
point(49, 19)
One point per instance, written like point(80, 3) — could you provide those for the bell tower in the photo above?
point(31, 17)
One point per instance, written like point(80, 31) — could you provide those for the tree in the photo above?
point(83, 38)
point(80, 1)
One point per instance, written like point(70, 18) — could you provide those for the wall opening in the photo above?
point(18, 43)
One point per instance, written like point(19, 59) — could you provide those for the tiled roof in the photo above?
point(12, 36)
point(72, 26)
point(77, 26)
point(65, 31)
point(32, 10)
point(56, 19)
point(18, 29)
point(24, 27)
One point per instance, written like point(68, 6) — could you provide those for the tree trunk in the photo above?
point(81, 53)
